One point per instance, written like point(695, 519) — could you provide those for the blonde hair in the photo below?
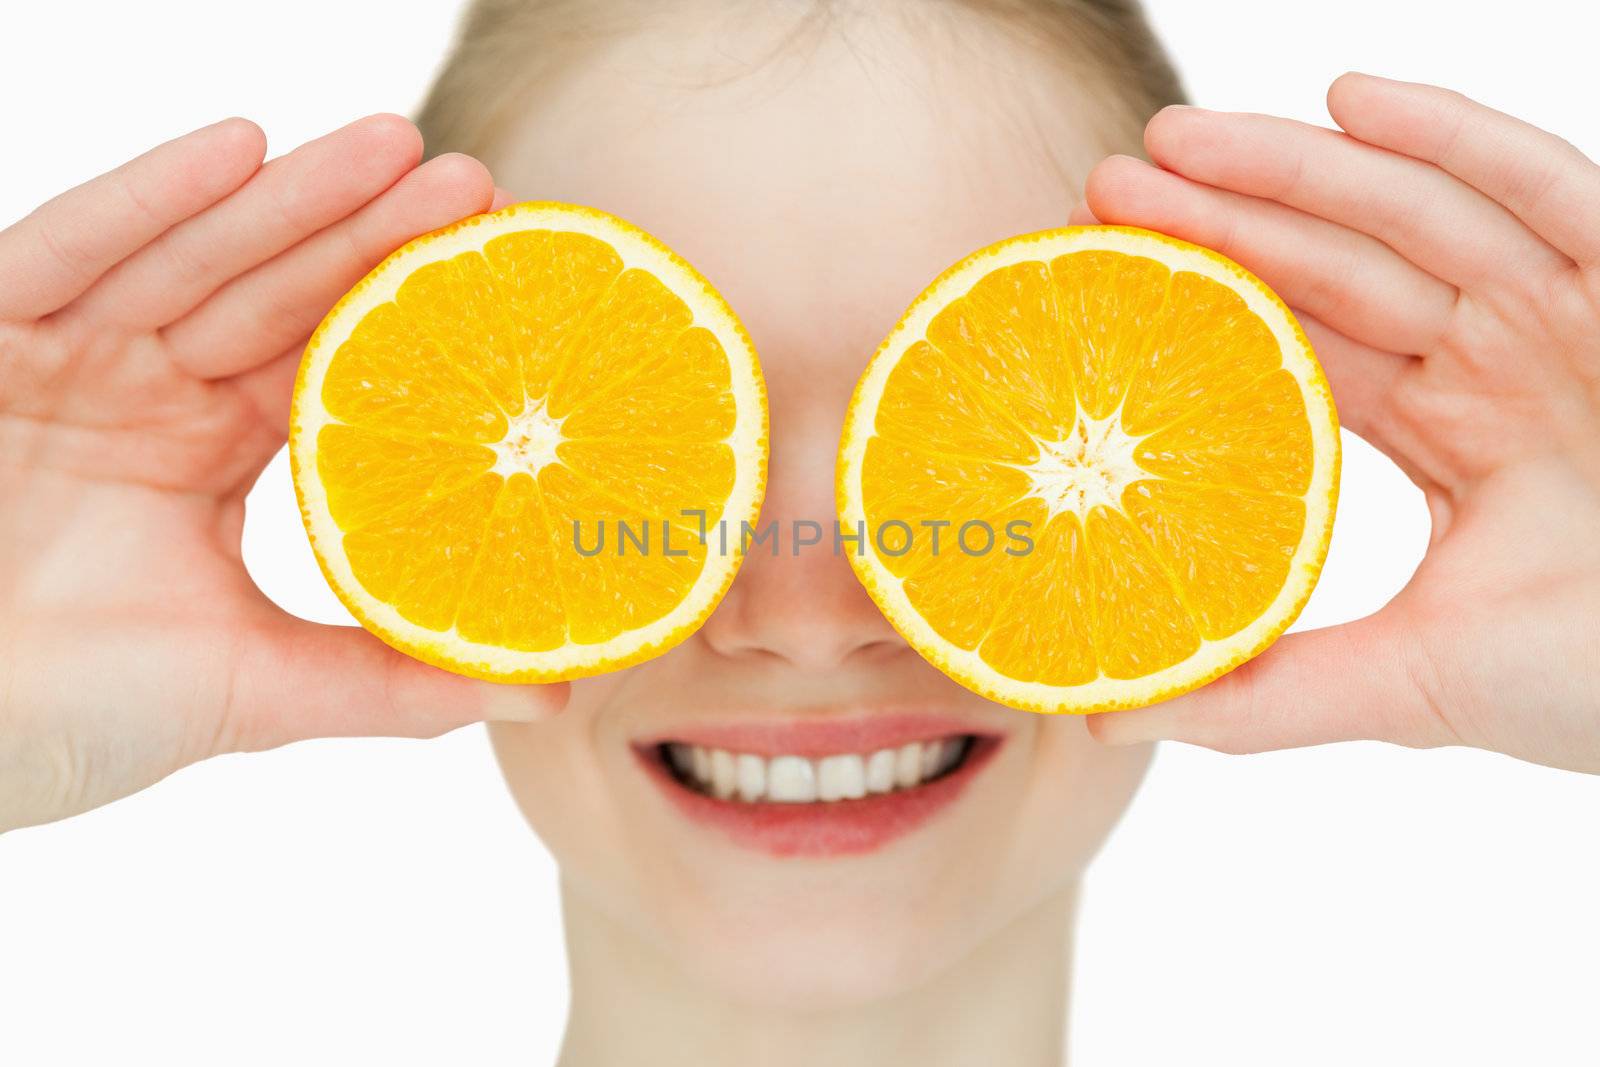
point(504, 47)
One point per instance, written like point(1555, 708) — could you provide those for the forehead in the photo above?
point(819, 172)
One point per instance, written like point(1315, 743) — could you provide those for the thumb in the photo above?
point(1081, 215)
point(1344, 683)
point(294, 680)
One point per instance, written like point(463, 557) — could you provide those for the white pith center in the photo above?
point(529, 444)
point(1090, 467)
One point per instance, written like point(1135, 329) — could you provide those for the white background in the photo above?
point(381, 902)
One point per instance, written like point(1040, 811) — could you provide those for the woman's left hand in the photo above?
point(1445, 260)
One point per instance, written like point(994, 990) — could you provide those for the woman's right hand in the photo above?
point(151, 322)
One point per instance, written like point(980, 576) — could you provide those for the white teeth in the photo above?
point(880, 771)
point(791, 780)
point(908, 765)
point(752, 777)
point(723, 777)
point(797, 780)
point(841, 778)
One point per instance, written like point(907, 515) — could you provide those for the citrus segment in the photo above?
point(990, 331)
point(548, 279)
point(1257, 438)
point(627, 576)
point(418, 562)
point(1054, 643)
point(1141, 624)
point(1233, 547)
point(1143, 430)
point(456, 304)
point(493, 433)
point(1109, 305)
point(634, 325)
point(686, 400)
point(507, 601)
point(933, 404)
point(370, 476)
point(1208, 343)
point(390, 377)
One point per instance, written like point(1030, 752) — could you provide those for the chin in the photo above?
point(825, 953)
point(815, 857)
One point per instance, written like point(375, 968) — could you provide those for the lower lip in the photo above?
point(823, 828)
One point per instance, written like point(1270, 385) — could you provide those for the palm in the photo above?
point(149, 332)
point(118, 409)
point(1445, 260)
point(1507, 449)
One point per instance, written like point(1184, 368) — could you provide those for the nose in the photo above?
point(796, 601)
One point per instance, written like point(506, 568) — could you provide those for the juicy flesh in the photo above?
point(1139, 420)
point(504, 396)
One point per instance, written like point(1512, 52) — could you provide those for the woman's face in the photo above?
point(820, 176)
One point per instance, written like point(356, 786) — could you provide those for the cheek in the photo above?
point(1079, 789)
point(556, 775)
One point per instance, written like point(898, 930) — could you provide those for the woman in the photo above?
point(819, 168)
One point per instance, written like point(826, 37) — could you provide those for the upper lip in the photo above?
point(820, 734)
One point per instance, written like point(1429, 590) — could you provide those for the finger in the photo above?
point(1540, 178)
point(287, 201)
point(502, 198)
point(1431, 218)
point(1351, 281)
point(266, 393)
point(296, 680)
point(54, 254)
point(1360, 375)
point(269, 389)
point(1343, 683)
point(257, 316)
point(1363, 380)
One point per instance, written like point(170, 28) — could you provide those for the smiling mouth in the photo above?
point(817, 788)
point(751, 778)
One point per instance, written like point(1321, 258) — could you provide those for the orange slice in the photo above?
point(477, 421)
point(1138, 442)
